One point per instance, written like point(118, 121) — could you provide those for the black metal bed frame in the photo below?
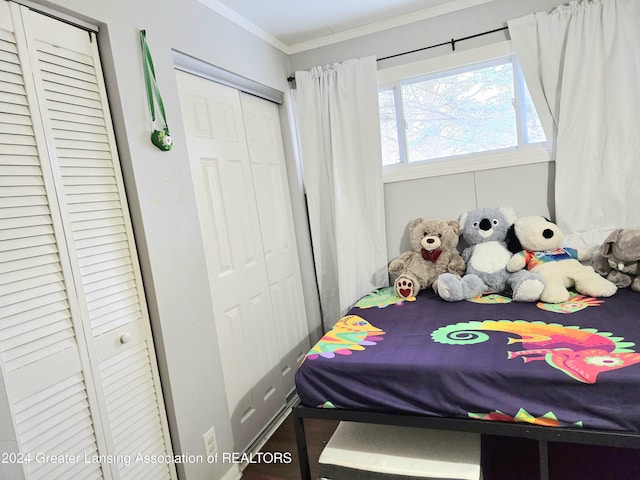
point(543, 435)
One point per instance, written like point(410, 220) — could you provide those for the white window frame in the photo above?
point(507, 157)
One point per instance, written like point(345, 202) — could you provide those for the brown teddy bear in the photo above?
point(618, 259)
point(433, 252)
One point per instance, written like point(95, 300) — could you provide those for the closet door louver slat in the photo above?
point(95, 215)
point(51, 410)
point(87, 161)
point(128, 381)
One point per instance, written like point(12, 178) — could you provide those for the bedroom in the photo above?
point(163, 204)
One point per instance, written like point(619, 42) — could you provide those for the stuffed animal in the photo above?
point(618, 258)
point(433, 251)
point(539, 245)
point(485, 232)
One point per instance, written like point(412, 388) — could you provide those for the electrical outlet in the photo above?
point(210, 444)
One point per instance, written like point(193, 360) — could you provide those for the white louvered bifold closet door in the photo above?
point(75, 342)
point(41, 360)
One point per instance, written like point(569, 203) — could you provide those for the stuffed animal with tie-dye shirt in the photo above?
point(537, 246)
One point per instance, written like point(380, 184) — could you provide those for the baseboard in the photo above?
point(271, 428)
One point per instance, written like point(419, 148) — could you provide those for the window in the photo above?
point(458, 114)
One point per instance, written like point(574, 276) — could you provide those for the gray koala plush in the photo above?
point(485, 232)
point(619, 258)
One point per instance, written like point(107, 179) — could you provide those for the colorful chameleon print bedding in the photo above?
point(571, 364)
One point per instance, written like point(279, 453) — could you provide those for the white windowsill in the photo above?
point(511, 157)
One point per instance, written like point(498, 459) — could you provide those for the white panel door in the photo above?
point(231, 233)
point(268, 168)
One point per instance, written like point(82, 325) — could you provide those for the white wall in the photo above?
point(526, 188)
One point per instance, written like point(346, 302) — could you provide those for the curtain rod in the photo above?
point(451, 42)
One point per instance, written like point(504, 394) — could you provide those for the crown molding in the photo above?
point(375, 27)
point(387, 24)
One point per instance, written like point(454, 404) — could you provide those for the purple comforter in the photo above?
point(571, 364)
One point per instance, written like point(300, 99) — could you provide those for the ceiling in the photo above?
point(297, 25)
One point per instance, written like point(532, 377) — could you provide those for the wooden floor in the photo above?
point(283, 446)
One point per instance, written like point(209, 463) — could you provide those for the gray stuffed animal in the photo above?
point(618, 259)
point(485, 231)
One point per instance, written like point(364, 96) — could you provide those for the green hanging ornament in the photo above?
point(160, 136)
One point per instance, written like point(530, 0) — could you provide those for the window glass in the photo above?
point(467, 112)
point(535, 133)
point(389, 126)
point(447, 111)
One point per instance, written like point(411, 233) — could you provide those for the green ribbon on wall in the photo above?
point(160, 137)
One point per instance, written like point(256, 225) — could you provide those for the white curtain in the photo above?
point(339, 139)
point(581, 63)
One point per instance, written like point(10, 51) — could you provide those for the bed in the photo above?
point(551, 372)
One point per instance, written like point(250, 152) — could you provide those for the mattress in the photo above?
point(572, 364)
